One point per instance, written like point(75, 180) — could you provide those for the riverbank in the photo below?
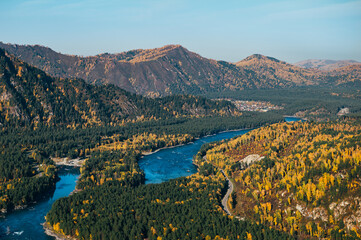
point(51, 232)
point(177, 161)
point(225, 131)
point(163, 148)
point(193, 140)
point(76, 162)
point(294, 118)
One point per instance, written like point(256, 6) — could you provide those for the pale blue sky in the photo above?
point(290, 30)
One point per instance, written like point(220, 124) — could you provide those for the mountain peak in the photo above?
point(143, 55)
point(152, 54)
point(171, 47)
point(259, 57)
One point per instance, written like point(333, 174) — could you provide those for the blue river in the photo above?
point(177, 162)
point(159, 167)
point(294, 119)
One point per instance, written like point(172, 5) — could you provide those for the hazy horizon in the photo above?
point(70, 54)
point(291, 31)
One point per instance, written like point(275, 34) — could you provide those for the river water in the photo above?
point(159, 167)
point(177, 162)
point(294, 119)
point(26, 224)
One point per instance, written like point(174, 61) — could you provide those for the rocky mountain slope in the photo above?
point(325, 64)
point(268, 68)
point(173, 69)
point(348, 75)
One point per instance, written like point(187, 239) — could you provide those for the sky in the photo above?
point(229, 30)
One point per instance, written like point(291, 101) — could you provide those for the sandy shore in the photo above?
point(225, 131)
point(76, 162)
point(148, 153)
point(49, 231)
point(191, 142)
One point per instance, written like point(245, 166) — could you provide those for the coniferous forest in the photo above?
point(305, 178)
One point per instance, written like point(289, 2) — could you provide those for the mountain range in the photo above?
point(173, 69)
point(325, 64)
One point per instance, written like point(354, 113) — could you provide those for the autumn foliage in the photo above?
point(308, 182)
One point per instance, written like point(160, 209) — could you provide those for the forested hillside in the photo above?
point(302, 178)
point(183, 208)
point(25, 177)
point(28, 96)
point(276, 70)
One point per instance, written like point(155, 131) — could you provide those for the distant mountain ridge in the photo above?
point(269, 68)
point(173, 69)
point(325, 64)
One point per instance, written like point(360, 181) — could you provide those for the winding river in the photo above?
point(26, 224)
point(177, 162)
point(159, 167)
